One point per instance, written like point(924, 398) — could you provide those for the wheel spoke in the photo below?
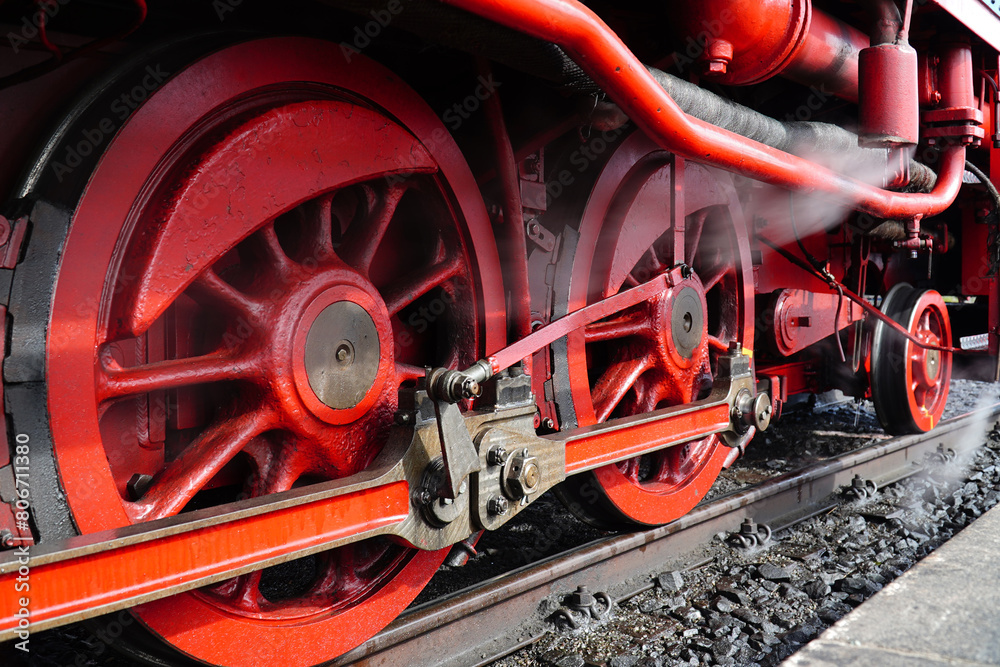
point(413, 286)
point(634, 323)
point(210, 290)
point(182, 478)
point(649, 397)
point(265, 247)
point(694, 232)
point(717, 344)
point(711, 278)
point(317, 218)
point(616, 381)
point(630, 468)
point(406, 372)
point(116, 382)
point(245, 594)
point(365, 235)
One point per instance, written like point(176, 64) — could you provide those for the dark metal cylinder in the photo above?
point(889, 106)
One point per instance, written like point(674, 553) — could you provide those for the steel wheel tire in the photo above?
point(206, 243)
point(658, 354)
point(909, 383)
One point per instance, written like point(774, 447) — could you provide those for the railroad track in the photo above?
point(485, 622)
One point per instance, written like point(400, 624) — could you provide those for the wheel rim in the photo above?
point(267, 241)
point(662, 352)
point(910, 383)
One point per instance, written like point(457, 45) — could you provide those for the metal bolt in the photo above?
point(138, 485)
point(470, 388)
point(548, 423)
point(716, 67)
point(497, 506)
point(522, 475)
point(403, 418)
point(531, 475)
point(496, 456)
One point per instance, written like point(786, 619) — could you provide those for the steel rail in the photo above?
point(483, 623)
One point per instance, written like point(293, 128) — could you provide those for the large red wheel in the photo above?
point(660, 353)
point(910, 383)
point(272, 244)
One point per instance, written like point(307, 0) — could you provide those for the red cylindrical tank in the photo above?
point(890, 109)
point(743, 42)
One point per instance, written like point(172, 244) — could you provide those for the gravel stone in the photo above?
point(670, 581)
point(816, 589)
point(723, 605)
point(650, 605)
point(774, 573)
point(749, 617)
point(624, 661)
point(723, 648)
point(571, 660)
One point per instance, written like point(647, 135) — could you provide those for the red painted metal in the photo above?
point(586, 450)
point(803, 318)
point(958, 118)
point(652, 289)
point(632, 363)
point(928, 372)
point(599, 51)
point(889, 108)
point(136, 569)
point(514, 247)
point(873, 311)
point(976, 16)
point(217, 251)
point(827, 58)
point(748, 41)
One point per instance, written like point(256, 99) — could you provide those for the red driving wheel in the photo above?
point(272, 244)
point(662, 352)
point(910, 383)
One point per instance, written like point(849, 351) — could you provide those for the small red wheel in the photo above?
point(270, 246)
point(662, 352)
point(910, 383)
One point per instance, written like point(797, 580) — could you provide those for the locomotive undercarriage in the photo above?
point(269, 304)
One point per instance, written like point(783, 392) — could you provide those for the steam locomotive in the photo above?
point(297, 297)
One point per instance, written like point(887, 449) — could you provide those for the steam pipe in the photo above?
point(599, 51)
point(828, 56)
point(795, 137)
point(749, 41)
point(887, 24)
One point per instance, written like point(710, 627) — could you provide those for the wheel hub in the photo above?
point(687, 320)
point(932, 365)
point(342, 354)
point(682, 345)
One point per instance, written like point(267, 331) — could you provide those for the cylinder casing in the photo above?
point(889, 107)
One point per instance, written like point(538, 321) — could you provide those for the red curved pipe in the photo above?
point(599, 51)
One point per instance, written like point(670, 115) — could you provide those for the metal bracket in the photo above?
point(750, 535)
point(861, 488)
point(460, 456)
point(581, 607)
